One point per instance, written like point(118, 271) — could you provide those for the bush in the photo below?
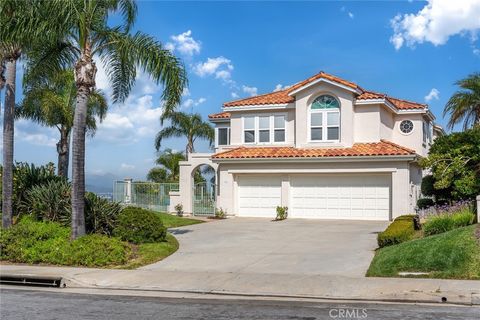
point(282, 213)
point(139, 225)
point(179, 209)
point(220, 213)
point(49, 202)
point(100, 214)
point(446, 222)
point(424, 203)
point(400, 230)
point(31, 241)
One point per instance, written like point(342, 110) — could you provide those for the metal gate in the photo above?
point(204, 199)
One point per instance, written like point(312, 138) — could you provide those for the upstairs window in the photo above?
point(223, 136)
point(325, 119)
point(249, 129)
point(264, 129)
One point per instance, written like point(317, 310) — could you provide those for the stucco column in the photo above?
point(285, 191)
point(127, 197)
point(400, 191)
point(478, 208)
point(186, 186)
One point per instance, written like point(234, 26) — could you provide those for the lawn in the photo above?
point(147, 253)
point(453, 254)
point(172, 221)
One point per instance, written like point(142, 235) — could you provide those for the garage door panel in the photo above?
point(258, 196)
point(340, 197)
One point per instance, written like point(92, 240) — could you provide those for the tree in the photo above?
point(169, 161)
point(50, 101)
point(454, 161)
point(157, 175)
point(464, 105)
point(190, 126)
point(22, 24)
point(88, 33)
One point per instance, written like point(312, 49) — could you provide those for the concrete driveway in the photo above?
point(293, 246)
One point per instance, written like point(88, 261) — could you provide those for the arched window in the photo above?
point(325, 119)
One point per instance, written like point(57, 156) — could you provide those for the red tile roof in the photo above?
point(221, 115)
point(282, 96)
point(383, 148)
point(398, 103)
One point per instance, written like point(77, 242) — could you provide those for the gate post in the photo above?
point(186, 186)
point(128, 190)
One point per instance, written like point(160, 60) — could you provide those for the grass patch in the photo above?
point(172, 221)
point(148, 253)
point(453, 254)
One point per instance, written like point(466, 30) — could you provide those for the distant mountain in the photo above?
point(100, 182)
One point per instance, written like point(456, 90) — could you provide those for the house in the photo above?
point(325, 147)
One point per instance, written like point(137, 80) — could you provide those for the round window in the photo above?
point(406, 126)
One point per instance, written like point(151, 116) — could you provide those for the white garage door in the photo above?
point(357, 197)
point(258, 196)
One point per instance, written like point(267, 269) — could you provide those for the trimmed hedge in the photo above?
point(424, 203)
point(139, 225)
point(400, 230)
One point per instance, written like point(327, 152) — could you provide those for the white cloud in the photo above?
point(280, 87)
point(192, 103)
point(436, 23)
point(432, 95)
point(221, 67)
point(252, 91)
point(35, 134)
point(235, 95)
point(126, 166)
point(184, 43)
point(351, 15)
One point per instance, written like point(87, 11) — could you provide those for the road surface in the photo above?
point(35, 305)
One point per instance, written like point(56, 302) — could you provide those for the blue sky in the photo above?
point(411, 50)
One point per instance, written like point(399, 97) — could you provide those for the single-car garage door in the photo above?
point(356, 197)
point(258, 196)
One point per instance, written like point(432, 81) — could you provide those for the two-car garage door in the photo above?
point(339, 196)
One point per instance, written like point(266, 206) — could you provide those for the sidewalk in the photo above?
point(265, 285)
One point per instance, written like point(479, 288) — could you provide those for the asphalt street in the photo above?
point(35, 305)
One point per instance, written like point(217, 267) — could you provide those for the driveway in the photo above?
point(293, 246)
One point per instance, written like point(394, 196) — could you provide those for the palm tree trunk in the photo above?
point(85, 71)
point(8, 122)
point(63, 150)
point(189, 149)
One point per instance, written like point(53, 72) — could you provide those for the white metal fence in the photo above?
point(149, 195)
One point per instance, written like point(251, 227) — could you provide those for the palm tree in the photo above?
point(87, 33)
point(170, 160)
point(190, 126)
point(21, 27)
point(50, 101)
point(464, 105)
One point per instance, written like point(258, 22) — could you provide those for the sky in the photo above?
point(414, 50)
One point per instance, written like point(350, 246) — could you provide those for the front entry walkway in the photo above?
point(293, 246)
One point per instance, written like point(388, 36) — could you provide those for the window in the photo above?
point(264, 129)
point(427, 132)
point(223, 136)
point(279, 129)
point(249, 129)
point(406, 126)
point(325, 119)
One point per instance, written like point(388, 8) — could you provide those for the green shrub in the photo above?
point(49, 202)
point(400, 230)
point(220, 213)
point(446, 222)
point(100, 214)
point(424, 203)
point(32, 241)
point(282, 213)
point(139, 225)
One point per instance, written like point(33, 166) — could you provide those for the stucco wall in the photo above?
point(367, 123)
point(413, 140)
point(302, 105)
point(399, 171)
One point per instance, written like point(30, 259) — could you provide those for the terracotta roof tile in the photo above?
point(383, 148)
point(221, 115)
point(282, 97)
